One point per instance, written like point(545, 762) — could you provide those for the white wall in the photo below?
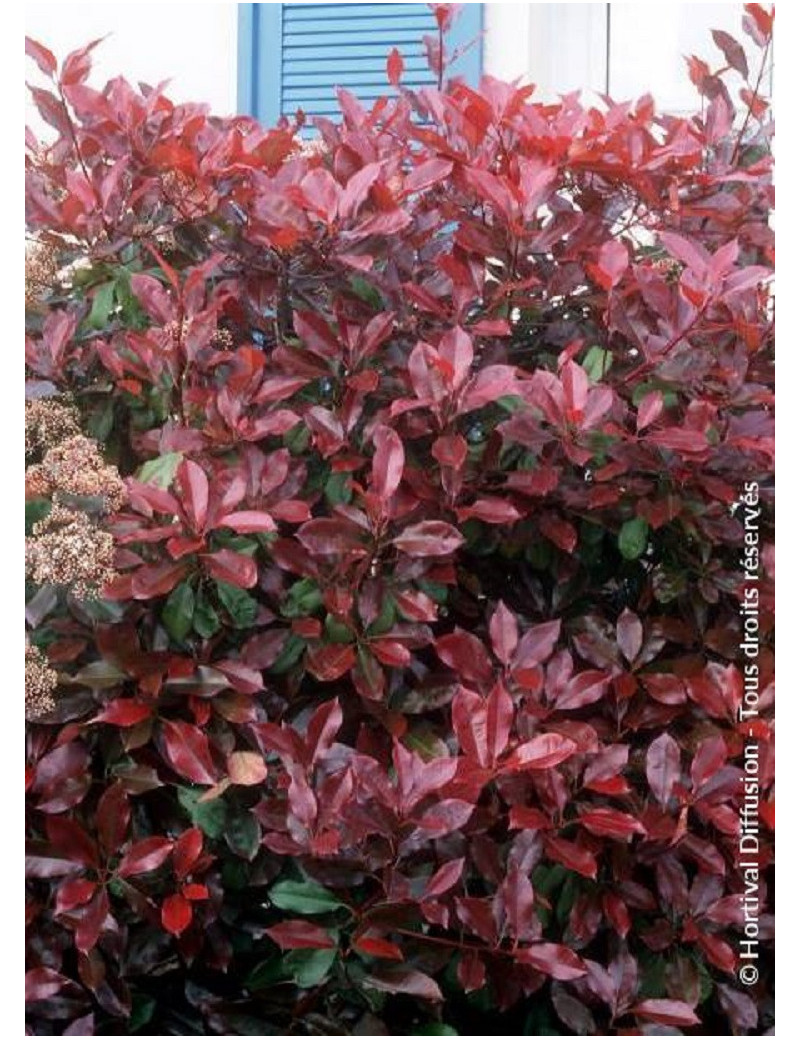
point(558, 46)
point(191, 44)
point(636, 48)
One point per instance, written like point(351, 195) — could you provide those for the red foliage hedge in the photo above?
point(414, 695)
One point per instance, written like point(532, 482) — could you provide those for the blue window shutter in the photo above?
point(293, 56)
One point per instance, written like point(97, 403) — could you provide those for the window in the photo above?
point(295, 55)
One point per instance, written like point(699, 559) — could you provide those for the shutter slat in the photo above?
point(321, 12)
point(300, 53)
point(326, 46)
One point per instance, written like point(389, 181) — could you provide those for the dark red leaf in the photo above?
point(429, 538)
point(559, 962)
point(663, 767)
point(666, 1012)
point(394, 66)
point(542, 752)
point(188, 752)
point(176, 914)
point(300, 935)
point(144, 855)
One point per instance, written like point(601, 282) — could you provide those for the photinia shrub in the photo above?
point(396, 500)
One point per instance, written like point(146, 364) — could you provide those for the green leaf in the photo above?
point(266, 974)
point(510, 402)
point(632, 538)
point(303, 897)
point(292, 652)
point(597, 363)
point(435, 1029)
point(642, 389)
point(337, 489)
point(242, 608)
point(35, 510)
point(386, 619)
point(297, 439)
point(302, 599)
point(337, 631)
point(141, 1012)
point(243, 835)
point(368, 293)
point(310, 967)
point(160, 471)
point(208, 816)
point(101, 421)
point(102, 305)
point(205, 619)
point(178, 612)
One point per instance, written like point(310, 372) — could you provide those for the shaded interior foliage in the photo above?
point(413, 704)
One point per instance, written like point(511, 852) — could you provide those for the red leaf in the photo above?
point(113, 816)
point(535, 646)
point(572, 856)
point(153, 297)
point(186, 851)
point(446, 816)
point(74, 892)
point(559, 962)
point(194, 892)
point(323, 726)
point(390, 652)
point(710, 757)
point(124, 712)
point(188, 752)
point(248, 522)
point(650, 407)
point(429, 538)
point(466, 655)
point(545, 751)
point(612, 263)
point(193, 485)
point(77, 65)
point(666, 1012)
point(499, 716)
point(490, 511)
point(300, 935)
point(611, 823)
point(374, 946)
point(663, 767)
point(416, 606)
point(149, 582)
point(526, 818)
point(450, 450)
point(584, 688)
point(176, 914)
point(246, 768)
point(516, 896)
point(471, 972)
point(629, 634)
point(428, 173)
point(330, 661)
point(71, 841)
point(41, 55)
point(332, 537)
point(144, 855)
point(444, 879)
point(392, 979)
point(504, 633)
point(387, 462)
point(732, 49)
point(232, 567)
point(91, 920)
point(394, 66)
point(43, 983)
